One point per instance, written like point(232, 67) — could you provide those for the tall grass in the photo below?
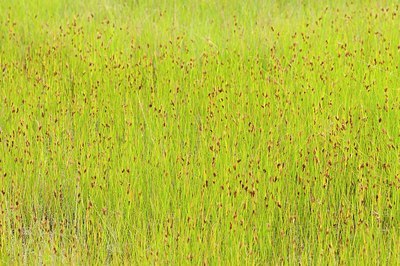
point(205, 132)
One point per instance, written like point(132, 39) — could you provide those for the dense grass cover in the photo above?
point(204, 132)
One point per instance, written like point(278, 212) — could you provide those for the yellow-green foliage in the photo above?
point(205, 132)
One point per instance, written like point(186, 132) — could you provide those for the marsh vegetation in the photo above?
point(204, 132)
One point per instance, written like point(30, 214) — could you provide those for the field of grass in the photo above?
point(204, 132)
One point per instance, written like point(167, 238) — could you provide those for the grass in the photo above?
point(208, 132)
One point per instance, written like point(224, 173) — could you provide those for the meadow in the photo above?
point(199, 132)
